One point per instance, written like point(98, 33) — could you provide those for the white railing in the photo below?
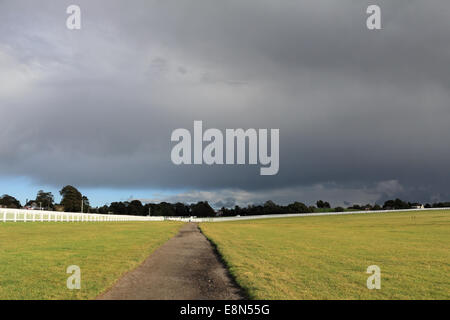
point(291, 215)
point(22, 215)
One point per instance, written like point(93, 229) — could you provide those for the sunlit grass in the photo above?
point(34, 256)
point(327, 257)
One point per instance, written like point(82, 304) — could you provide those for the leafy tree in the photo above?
point(86, 205)
point(135, 208)
point(166, 209)
point(44, 199)
point(396, 204)
point(9, 202)
point(339, 209)
point(71, 199)
point(202, 209)
point(103, 210)
point(270, 207)
point(181, 210)
point(441, 205)
point(118, 208)
point(323, 205)
point(150, 208)
point(298, 207)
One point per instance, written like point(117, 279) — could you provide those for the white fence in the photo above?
point(291, 215)
point(21, 215)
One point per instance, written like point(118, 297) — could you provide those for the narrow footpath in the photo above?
point(184, 268)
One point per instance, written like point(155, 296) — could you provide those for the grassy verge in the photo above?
point(327, 257)
point(34, 256)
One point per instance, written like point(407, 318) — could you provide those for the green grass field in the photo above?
point(34, 256)
point(327, 257)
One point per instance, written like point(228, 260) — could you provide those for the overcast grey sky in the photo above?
point(363, 115)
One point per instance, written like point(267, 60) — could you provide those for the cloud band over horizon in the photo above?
point(363, 115)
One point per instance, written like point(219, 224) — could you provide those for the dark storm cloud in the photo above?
point(363, 115)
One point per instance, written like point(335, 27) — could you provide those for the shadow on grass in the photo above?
point(242, 291)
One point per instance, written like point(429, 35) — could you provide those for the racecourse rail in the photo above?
point(22, 215)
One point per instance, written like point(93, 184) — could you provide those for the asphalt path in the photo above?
point(184, 268)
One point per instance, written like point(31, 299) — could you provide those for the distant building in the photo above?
point(59, 207)
point(417, 206)
point(31, 206)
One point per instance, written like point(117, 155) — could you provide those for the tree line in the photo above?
point(73, 201)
